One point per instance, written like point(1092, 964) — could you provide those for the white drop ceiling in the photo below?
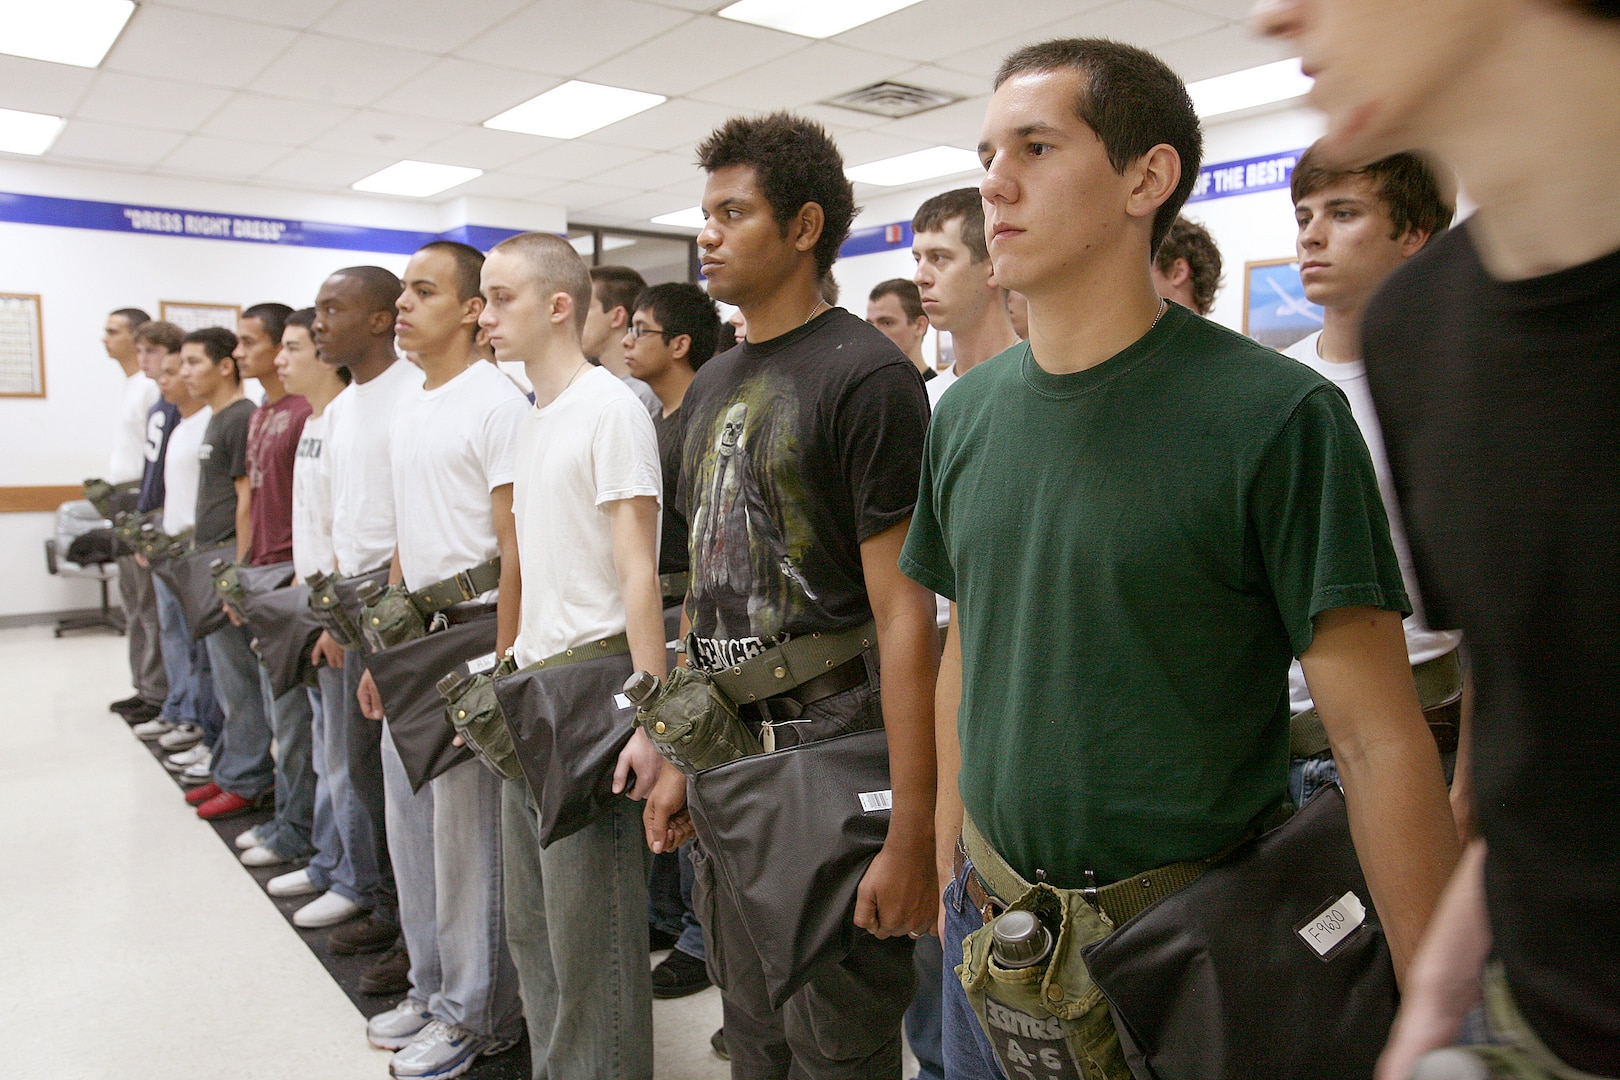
point(315, 94)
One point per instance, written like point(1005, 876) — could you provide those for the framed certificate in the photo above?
point(22, 346)
point(192, 316)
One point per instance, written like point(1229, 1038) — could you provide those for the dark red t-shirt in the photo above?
point(272, 444)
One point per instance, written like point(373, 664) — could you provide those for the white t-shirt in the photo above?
point(357, 425)
point(182, 471)
point(451, 446)
point(135, 399)
point(1421, 643)
point(312, 501)
point(594, 445)
point(937, 386)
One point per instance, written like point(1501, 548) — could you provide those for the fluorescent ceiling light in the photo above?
point(821, 19)
point(77, 32)
point(573, 109)
point(915, 167)
point(28, 132)
point(418, 178)
point(1248, 88)
point(586, 248)
point(690, 218)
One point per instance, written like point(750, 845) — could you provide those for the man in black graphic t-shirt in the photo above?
point(803, 446)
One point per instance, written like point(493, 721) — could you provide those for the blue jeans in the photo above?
point(242, 762)
point(292, 721)
point(576, 920)
point(410, 851)
point(191, 688)
point(922, 1021)
point(330, 869)
point(967, 1054)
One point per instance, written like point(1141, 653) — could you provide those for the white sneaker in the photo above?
point(200, 771)
point(181, 737)
point(398, 1027)
point(327, 909)
point(443, 1050)
point(262, 856)
point(185, 759)
point(296, 883)
point(247, 838)
point(153, 729)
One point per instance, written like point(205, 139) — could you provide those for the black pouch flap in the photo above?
point(407, 676)
point(1273, 964)
point(568, 726)
point(188, 577)
point(792, 833)
point(262, 579)
point(347, 590)
point(284, 632)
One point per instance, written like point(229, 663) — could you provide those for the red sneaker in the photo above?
point(226, 805)
point(199, 795)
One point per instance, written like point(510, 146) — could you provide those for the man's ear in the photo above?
point(381, 322)
point(807, 225)
point(619, 318)
point(680, 346)
point(1156, 174)
point(471, 309)
point(1180, 272)
point(561, 311)
point(1414, 241)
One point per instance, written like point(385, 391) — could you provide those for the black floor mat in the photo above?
point(345, 970)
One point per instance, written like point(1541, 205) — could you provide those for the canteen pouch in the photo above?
point(329, 612)
point(1049, 1021)
point(227, 585)
point(392, 620)
point(694, 725)
point(473, 710)
point(110, 500)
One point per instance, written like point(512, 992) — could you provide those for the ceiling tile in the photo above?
point(325, 169)
point(655, 171)
point(561, 37)
point(192, 47)
point(953, 125)
point(1144, 23)
point(1220, 52)
point(455, 89)
point(300, 14)
point(936, 28)
point(642, 208)
point(230, 159)
point(113, 144)
point(437, 28)
point(481, 148)
point(579, 196)
point(159, 103)
point(946, 80)
point(497, 185)
point(274, 119)
point(665, 66)
point(1234, 11)
point(677, 125)
point(862, 147)
point(372, 132)
point(818, 71)
point(329, 69)
point(37, 86)
point(575, 160)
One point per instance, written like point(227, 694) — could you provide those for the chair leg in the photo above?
point(105, 619)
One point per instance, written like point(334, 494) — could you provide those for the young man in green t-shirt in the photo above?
point(1142, 517)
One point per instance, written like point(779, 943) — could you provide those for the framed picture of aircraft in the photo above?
point(1275, 311)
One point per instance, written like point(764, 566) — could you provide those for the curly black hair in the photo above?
point(796, 162)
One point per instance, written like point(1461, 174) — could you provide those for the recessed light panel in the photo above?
point(416, 178)
point(27, 132)
point(77, 32)
point(690, 218)
point(573, 109)
point(916, 167)
point(1249, 88)
point(819, 19)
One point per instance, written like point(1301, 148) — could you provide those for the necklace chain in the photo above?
point(819, 302)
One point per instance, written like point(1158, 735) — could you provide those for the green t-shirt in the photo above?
point(1136, 551)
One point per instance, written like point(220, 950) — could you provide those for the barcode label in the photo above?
point(482, 664)
point(1328, 928)
point(873, 801)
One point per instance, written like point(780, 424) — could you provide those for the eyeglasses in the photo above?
point(639, 332)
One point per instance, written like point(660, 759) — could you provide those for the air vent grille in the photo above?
point(892, 99)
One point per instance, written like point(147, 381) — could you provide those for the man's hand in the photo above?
point(640, 757)
point(230, 613)
point(140, 561)
point(666, 819)
point(899, 893)
point(326, 651)
point(371, 706)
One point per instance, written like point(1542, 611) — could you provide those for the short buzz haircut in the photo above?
point(682, 308)
point(1132, 100)
point(219, 343)
point(795, 162)
point(1404, 183)
point(903, 290)
point(270, 316)
point(158, 332)
point(618, 286)
point(1191, 241)
point(469, 265)
point(133, 316)
point(379, 287)
point(557, 266)
point(962, 205)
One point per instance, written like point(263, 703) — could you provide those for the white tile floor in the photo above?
point(132, 944)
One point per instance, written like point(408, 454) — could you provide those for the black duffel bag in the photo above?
point(406, 675)
point(284, 633)
point(188, 577)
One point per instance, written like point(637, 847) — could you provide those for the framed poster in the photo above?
point(189, 316)
point(1275, 311)
point(22, 346)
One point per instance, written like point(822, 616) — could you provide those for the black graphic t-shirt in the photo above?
point(671, 431)
point(797, 450)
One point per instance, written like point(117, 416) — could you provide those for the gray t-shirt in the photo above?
point(224, 458)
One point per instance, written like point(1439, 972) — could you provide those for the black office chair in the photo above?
point(85, 547)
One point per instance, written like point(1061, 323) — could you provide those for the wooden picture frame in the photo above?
point(22, 346)
point(191, 315)
point(1275, 311)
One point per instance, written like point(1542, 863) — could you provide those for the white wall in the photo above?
point(82, 274)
